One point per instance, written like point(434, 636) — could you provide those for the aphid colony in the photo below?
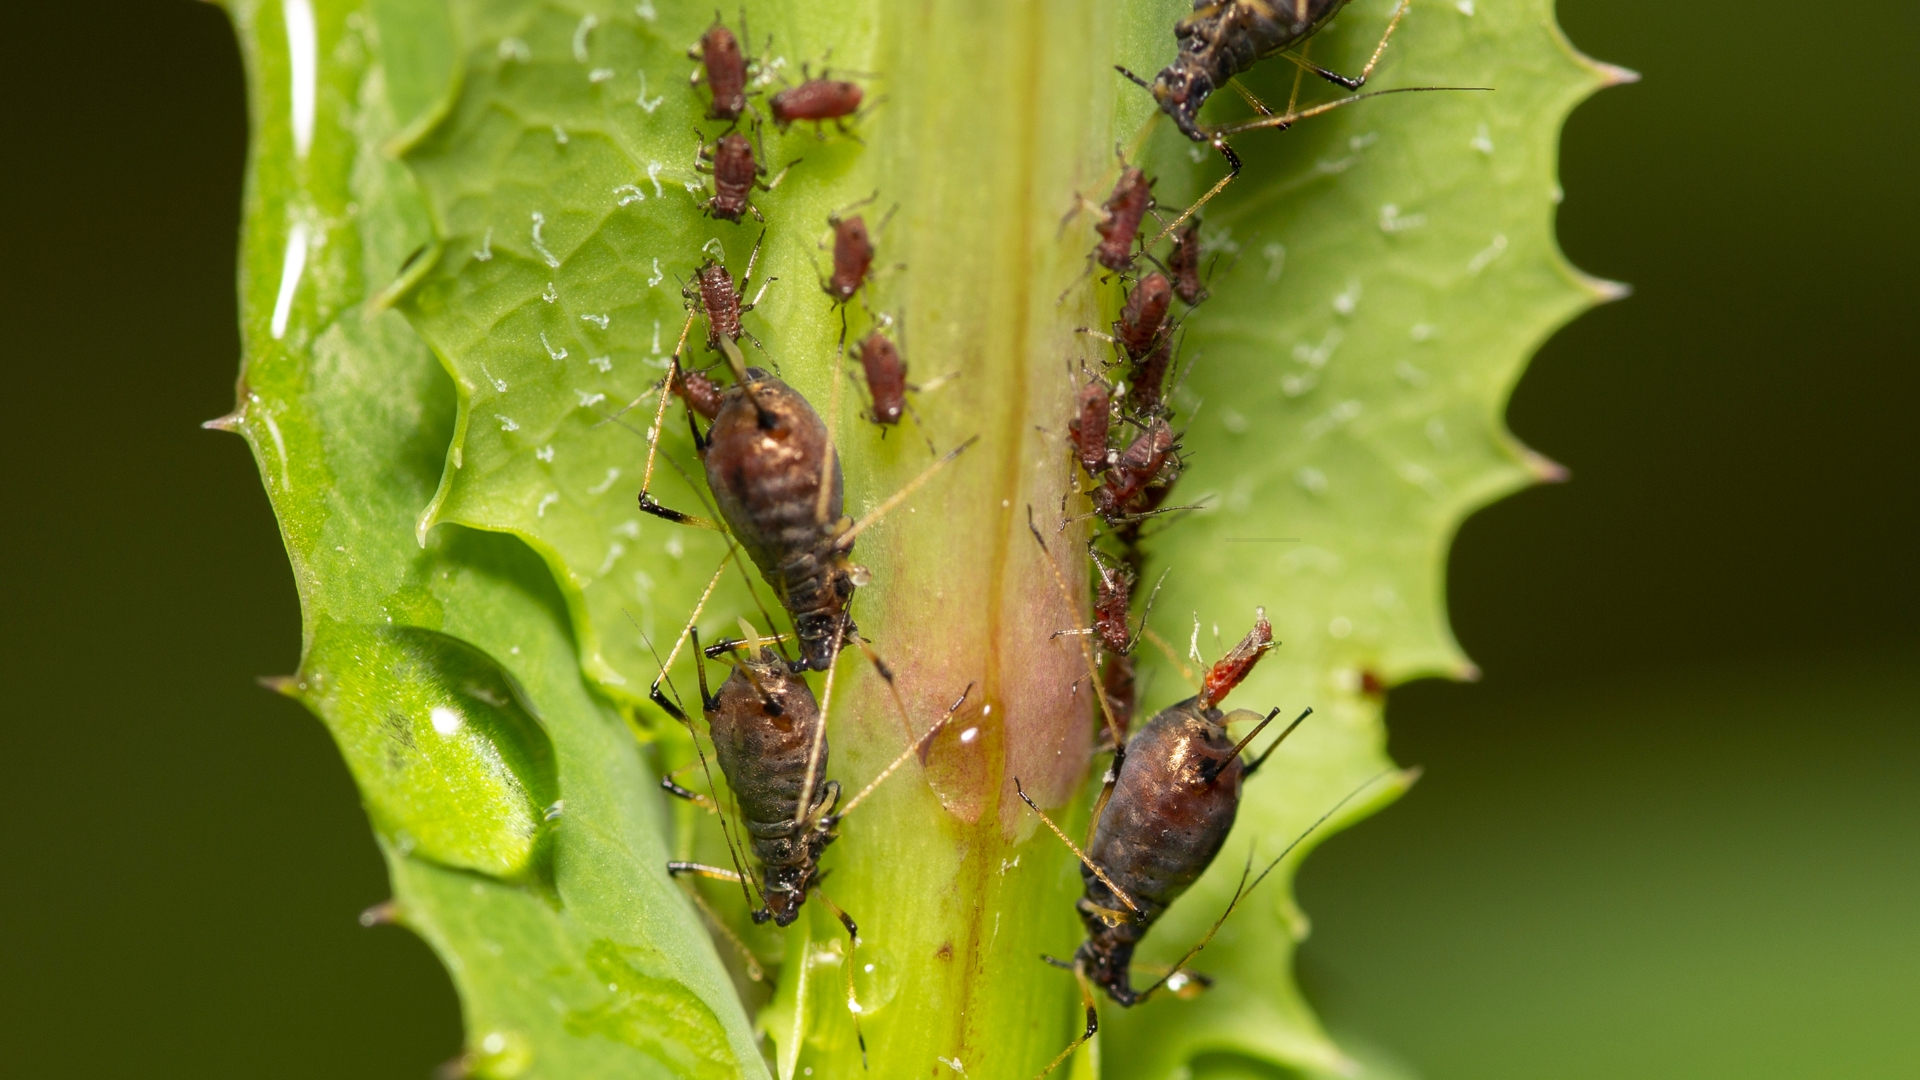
point(1171, 793)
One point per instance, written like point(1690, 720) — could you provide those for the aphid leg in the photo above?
point(1399, 12)
point(853, 942)
point(845, 540)
point(1093, 1016)
point(1217, 188)
point(818, 742)
point(678, 792)
point(914, 747)
point(1268, 752)
point(677, 868)
point(886, 676)
point(1075, 848)
point(1292, 117)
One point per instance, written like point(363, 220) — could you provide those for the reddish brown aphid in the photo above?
point(701, 394)
point(1092, 415)
point(1130, 200)
point(818, 100)
point(1111, 597)
point(1145, 313)
point(725, 68)
point(886, 376)
point(736, 172)
point(1185, 264)
point(852, 257)
point(716, 295)
point(1129, 478)
point(1147, 379)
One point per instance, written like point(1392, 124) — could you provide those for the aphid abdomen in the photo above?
point(726, 73)
point(1147, 380)
point(768, 451)
point(1172, 807)
point(817, 99)
point(886, 377)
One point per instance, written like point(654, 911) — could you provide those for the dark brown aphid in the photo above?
point(1092, 416)
point(776, 480)
point(886, 376)
point(1144, 316)
point(818, 100)
point(736, 172)
point(1185, 264)
point(1133, 474)
point(1147, 378)
point(1223, 38)
point(1132, 197)
point(1168, 806)
point(763, 724)
point(725, 69)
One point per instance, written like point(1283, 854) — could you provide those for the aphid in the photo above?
point(769, 735)
point(818, 100)
point(1134, 472)
point(1112, 596)
point(1185, 264)
point(714, 293)
point(736, 172)
point(1223, 38)
point(1145, 314)
point(776, 481)
point(725, 69)
point(886, 376)
point(1164, 813)
point(1092, 416)
point(1147, 378)
point(701, 394)
point(1132, 197)
point(852, 255)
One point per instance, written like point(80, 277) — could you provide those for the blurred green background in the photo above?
point(1674, 832)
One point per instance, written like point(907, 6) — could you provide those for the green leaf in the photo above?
point(1383, 272)
point(517, 820)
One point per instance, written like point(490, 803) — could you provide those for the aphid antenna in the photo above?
point(915, 746)
point(845, 540)
point(1117, 891)
point(834, 217)
point(1148, 610)
point(1086, 650)
point(1241, 891)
